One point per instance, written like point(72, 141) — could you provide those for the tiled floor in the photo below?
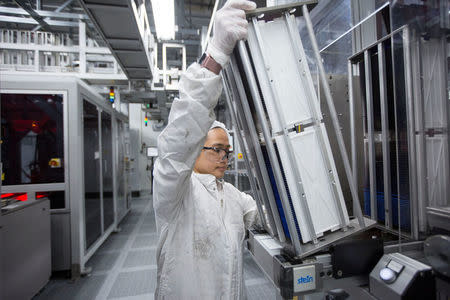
point(124, 267)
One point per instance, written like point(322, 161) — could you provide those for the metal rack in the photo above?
point(412, 135)
point(274, 105)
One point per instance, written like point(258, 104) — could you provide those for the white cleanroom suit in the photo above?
point(201, 220)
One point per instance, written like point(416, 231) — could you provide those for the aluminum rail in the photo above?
point(302, 200)
point(334, 117)
point(270, 147)
point(370, 135)
point(293, 33)
point(385, 137)
point(241, 142)
point(258, 153)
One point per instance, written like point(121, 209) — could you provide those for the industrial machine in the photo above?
point(25, 233)
point(316, 241)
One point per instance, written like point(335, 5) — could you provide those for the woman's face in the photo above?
point(214, 161)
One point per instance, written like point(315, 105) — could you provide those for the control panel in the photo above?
point(397, 276)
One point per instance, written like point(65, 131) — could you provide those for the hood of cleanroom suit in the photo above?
point(217, 124)
point(201, 221)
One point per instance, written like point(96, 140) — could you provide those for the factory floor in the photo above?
point(124, 267)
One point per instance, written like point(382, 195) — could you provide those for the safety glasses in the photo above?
point(220, 152)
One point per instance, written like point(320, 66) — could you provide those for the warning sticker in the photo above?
point(55, 163)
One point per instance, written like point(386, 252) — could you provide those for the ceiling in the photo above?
point(63, 24)
point(190, 17)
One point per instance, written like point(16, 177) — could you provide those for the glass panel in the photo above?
point(126, 135)
point(108, 204)
point(392, 140)
point(376, 115)
point(335, 59)
point(429, 22)
point(33, 138)
point(121, 202)
point(390, 101)
point(331, 19)
point(57, 198)
point(402, 198)
point(91, 173)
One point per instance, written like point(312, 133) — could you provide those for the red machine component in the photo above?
point(16, 196)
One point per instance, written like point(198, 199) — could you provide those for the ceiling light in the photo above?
point(164, 16)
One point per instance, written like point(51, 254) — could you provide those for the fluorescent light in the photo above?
point(164, 16)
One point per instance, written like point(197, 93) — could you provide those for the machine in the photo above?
point(316, 240)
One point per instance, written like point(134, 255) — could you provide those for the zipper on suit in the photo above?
point(220, 194)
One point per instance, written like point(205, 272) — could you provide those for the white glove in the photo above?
point(230, 26)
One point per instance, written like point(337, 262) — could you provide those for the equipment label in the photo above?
point(304, 278)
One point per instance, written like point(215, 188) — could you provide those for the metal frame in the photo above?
point(10, 19)
point(78, 233)
point(115, 166)
point(252, 179)
point(396, 152)
point(58, 10)
point(82, 212)
point(75, 90)
point(88, 252)
point(281, 124)
point(334, 117)
point(252, 139)
point(82, 50)
point(31, 189)
point(410, 102)
point(118, 118)
point(267, 259)
point(100, 150)
point(419, 118)
point(205, 42)
point(270, 148)
point(258, 76)
point(166, 72)
point(43, 13)
point(36, 17)
point(128, 13)
point(317, 119)
point(351, 103)
point(385, 137)
point(370, 135)
point(431, 120)
point(414, 206)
